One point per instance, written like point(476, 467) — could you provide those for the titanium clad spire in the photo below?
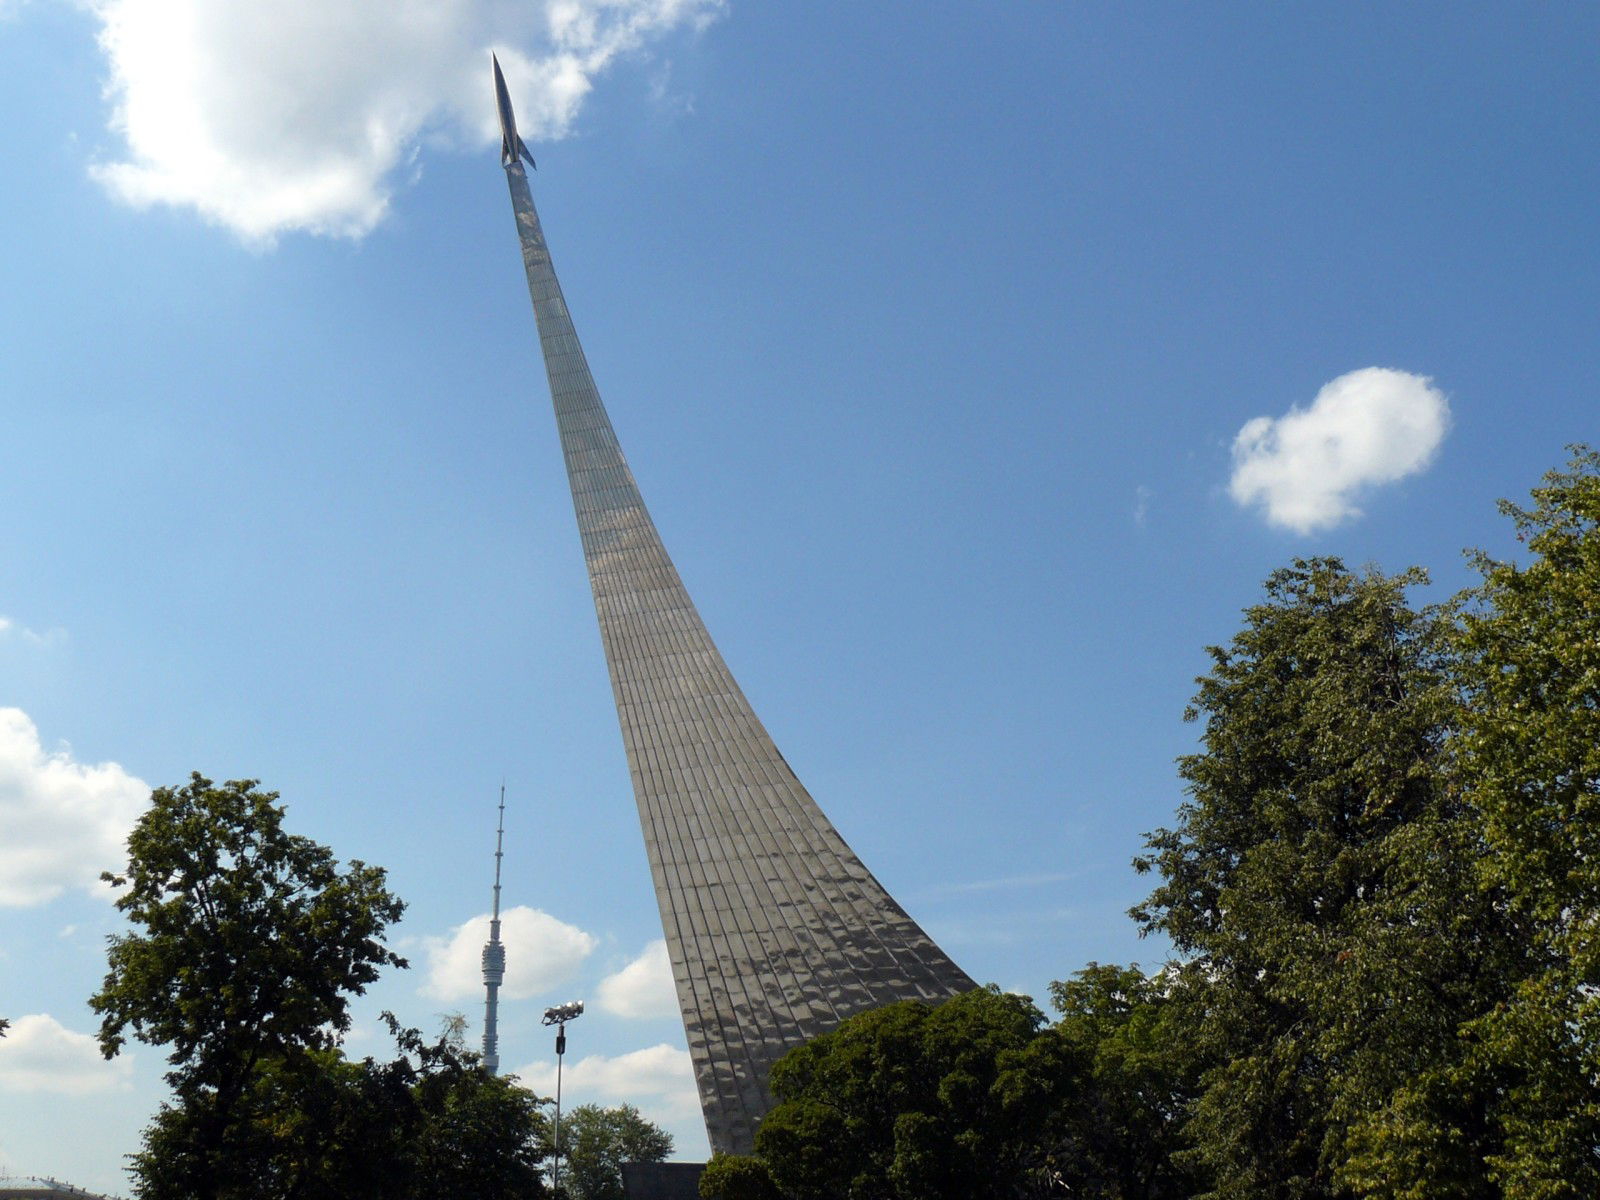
point(775, 930)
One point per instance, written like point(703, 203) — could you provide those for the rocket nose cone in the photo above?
point(502, 98)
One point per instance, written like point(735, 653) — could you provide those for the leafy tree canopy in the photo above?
point(248, 943)
point(1531, 755)
point(913, 1100)
point(251, 941)
point(479, 1135)
point(737, 1177)
point(1135, 1078)
point(318, 1126)
point(596, 1141)
point(1320, 882)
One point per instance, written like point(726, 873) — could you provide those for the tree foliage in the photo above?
point(913, 1100)
point(1320, 884)
point(1134, 1078)
point(312, 1127)
point(737, 1177)
point(252, 939)
point(477, 1134)
point(1531, 754)
point(318, 1126)
point(976, 1097)
point(596, 1141)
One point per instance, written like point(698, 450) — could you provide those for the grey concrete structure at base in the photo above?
point(775, 930)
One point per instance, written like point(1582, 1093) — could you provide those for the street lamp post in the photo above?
point(559, 1016)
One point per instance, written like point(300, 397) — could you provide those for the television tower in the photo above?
point(494, 957)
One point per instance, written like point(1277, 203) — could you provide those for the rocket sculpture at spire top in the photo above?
point(512, 147)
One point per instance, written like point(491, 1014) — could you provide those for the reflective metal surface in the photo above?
point(775, 930)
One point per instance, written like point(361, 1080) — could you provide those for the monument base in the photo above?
point(661, 1180)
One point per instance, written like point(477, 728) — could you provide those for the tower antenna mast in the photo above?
point(494, 957)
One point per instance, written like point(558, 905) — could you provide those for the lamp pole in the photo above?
point(559, 1016)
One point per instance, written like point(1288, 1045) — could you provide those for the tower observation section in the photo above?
point(775, 930)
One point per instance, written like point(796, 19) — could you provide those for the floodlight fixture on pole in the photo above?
point(558, 1016)
point(561, 1013)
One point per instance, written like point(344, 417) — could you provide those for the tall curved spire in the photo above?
point(775, 930)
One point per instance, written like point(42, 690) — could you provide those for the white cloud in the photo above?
point(11, 629)
point(39, 1054)
point(1369, 427)
point(643, 988)
point(1142, 496)
point(658, 1080)
point(301, 114)
point(61, 822)
point(541, 953)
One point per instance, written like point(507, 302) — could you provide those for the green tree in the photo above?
point(737, 1177)
point(914, 1101)
point(318, 1126)
point(596, 1141)
point(1319, 884)
point(1531, 754)
point(1134, 1080)
point(478, 1134)
point(250, 942)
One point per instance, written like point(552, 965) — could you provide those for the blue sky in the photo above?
point(931, 335)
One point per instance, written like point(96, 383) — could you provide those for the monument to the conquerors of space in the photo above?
point(775, 929)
